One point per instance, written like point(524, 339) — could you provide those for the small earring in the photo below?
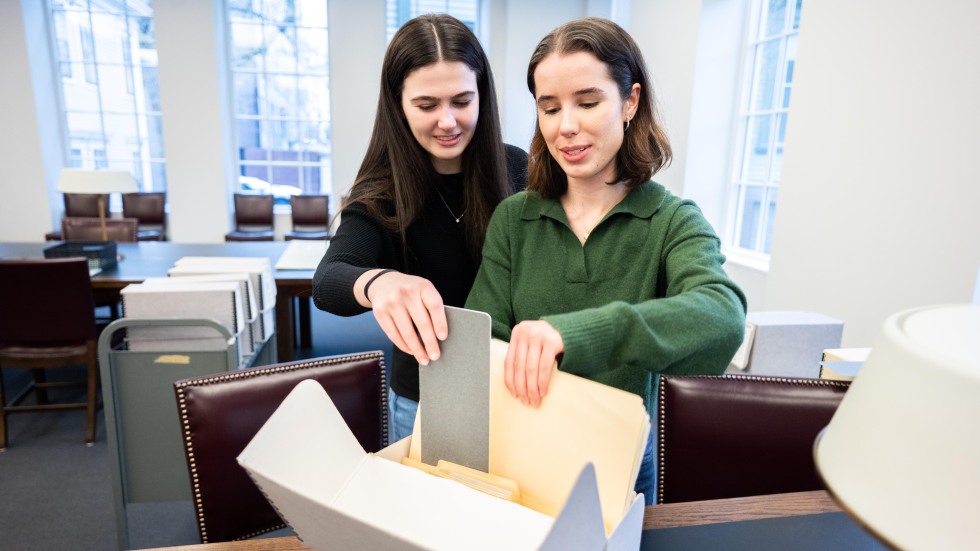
point(627, 125)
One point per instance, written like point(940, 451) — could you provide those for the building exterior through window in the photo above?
point(107, 59)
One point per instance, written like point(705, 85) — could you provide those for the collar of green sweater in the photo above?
point(641, 202)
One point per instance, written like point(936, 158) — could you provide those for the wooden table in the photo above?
point(146, 259)
point(672, 515)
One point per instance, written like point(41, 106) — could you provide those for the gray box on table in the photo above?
point(786, 343)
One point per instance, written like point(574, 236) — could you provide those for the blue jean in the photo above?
point(401, 411)
point(646, 481)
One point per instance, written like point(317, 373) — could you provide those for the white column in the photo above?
point(879, 208)
point(31, 154)
point(197, 118)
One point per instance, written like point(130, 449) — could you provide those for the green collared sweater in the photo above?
point(645, 295)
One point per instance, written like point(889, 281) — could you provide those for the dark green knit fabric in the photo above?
point(645, 295)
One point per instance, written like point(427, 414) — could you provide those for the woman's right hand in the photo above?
point(409, 310)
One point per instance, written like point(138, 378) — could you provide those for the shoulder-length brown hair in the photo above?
point(396, 175)
point(645, 148)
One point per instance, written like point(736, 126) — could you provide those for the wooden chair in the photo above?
point(220, 414)
point(57, 331)
point(738, 435)
point(311, 216)
point(122, 230)
point(84, 205)
point(253, 218)
point(149, 209)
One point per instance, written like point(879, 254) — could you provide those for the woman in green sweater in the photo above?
point(596, 266)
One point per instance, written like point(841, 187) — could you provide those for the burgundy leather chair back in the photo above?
point(738, 435)
point(254, 219)
point(85, 205)
point(65, 313)
point(147, 207)
point(122, 230)
point(220, 414)
point(310, 216)
point(150, 210)
point(253, 210)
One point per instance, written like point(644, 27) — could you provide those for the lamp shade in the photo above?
point(74, 180)
point(902, 452)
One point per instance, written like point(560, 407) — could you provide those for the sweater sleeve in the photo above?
point(491, 292)
point(356, 247)
point(694, 326)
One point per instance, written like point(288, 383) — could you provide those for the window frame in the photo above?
point(130, 103)
point(397, 12)
point(757, 256)
point(311, 164)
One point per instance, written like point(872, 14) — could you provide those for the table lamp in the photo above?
point(100, 182)
point(902, 453)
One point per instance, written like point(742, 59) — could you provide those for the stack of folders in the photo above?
point(248, 339)
point(842, 364)
point(262, 316)
point(220, 301)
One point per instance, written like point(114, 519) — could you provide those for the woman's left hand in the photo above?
point(531, 357)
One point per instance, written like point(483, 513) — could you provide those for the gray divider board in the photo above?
point(454, 394)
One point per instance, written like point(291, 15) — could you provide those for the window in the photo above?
point(88, 55)
point(282, 97)
point(771, 58)
point(110, 96)
point(400, 11)
point(100, 158)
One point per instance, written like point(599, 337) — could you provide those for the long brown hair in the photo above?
point(645, 148)
point(397, 172)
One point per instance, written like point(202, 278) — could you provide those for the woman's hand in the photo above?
point(531, 357)
point(409, 310)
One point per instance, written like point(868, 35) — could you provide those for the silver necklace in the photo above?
point(578, 216)
point(451, 213)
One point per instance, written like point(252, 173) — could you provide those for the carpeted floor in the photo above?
point(55, 492)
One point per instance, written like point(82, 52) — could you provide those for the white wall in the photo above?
point(714, 104)
point(519, 28)
point(667, 33)
point(356, 52)
point(30, 151)
point(879, 208)
point(197, 124)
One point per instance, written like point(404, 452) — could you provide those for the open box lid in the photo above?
point(335, 495)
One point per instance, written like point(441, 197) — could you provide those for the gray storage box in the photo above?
point(786, 343)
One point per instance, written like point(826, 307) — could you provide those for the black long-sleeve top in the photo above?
point(437, 251)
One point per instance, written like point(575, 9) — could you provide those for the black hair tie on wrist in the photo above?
point(370, 281)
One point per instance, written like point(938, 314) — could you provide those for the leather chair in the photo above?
point(311, 217)
point(738, 435)
point(90, 229)
point(58, 331)
point(253, 218)
point(220, 414)
point(84, 205)
point(149, 209)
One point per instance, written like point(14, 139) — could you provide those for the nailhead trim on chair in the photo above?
point(661, 398)
point(248, 374)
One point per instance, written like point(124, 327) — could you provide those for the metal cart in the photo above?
point(146, 454)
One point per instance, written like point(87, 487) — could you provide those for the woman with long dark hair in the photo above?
point(413, 225)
